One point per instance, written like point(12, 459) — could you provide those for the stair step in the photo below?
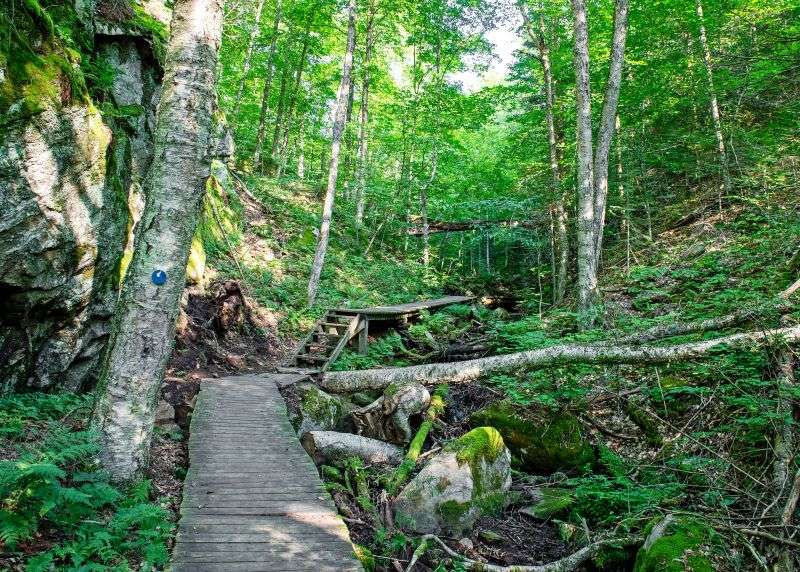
point(317, 359)
point(334, 324)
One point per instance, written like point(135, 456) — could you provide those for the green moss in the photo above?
point(542, 441)
point(154, 28)
point(364, 556)
point(686, 545)
point(196, 267)
point(645, 423)
point(554, 501)
point(391, 389)
point(452, 512)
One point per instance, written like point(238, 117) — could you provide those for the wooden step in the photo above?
point(335, 324)
point(312, 358)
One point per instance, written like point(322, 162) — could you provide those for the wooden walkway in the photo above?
point(338, 326)
point(252, 499)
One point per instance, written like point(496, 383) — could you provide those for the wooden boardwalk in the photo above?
point(338, 326)
point(252, 499)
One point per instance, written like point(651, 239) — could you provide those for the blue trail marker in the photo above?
point(159, 277)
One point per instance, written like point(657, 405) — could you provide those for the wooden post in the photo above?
point(363, 336)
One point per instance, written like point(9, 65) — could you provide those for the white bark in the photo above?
point(247, 58)
point(588, 293)
point(339, 124)
point(466, 371)
point(605, 132)
point(144, 327)
point(326, 446)
point(715, 114)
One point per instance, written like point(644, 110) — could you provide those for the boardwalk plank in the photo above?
point(238, 513)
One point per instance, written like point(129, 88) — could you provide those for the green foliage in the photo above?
point(55, 484)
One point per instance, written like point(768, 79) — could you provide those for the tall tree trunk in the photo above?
point(727, 184)
point(144, 327)
point(587, 270)
point(262, 118)
point(301, 158)
point(561, 238)
point(284, 150)
point(339, 124)
point(361, 184)
point(605, 132)
point(279, 112)
point(625, 230)
point(246, 64)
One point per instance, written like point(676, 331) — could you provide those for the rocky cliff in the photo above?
point(77, 106)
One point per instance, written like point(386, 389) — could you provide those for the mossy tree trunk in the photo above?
point(143, 332)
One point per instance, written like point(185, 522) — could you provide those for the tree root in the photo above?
point(566, 564)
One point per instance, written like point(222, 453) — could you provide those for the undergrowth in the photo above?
point(59, 510)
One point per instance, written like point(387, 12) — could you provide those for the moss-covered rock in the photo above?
point(677, 545)
point(469, 478)
point(319, 411)
point(542, 441)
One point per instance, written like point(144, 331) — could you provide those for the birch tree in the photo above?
point(143, 332)
point(592, 164)
point(339, 124)
point(727, 184)
point(363, 124)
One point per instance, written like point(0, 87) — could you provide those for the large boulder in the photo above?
point(542, 441)
point(467, 479)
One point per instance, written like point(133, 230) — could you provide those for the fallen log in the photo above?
point(435, 226)
point(328, 446)
point(466, 371)
point(386, 418)
point(781, 306)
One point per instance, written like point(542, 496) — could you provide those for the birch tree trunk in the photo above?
point(727, 184)
point(471, 370)
point(587, 270)
point(625, 229)
point(247, 58)
point(605, 131)
point(262, 118)
point(361, 184)
point(339, 124)
point(301, 157)
point(144, 327)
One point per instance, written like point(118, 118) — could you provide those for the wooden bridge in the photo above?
point(252, 499)
point(339, 326)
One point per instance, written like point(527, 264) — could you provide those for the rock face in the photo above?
point(60, 243)
point(542, 441)
point(71, 192)
point(467, 479)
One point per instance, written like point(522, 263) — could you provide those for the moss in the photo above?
point(554, 501)
point(391, 390)
point(196, 267)
point(686, 545)
point(453, 512)
point(645, 423)
point(542, 441)
point(157, 31)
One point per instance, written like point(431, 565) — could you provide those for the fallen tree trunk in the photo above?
point(465, 225)
point(327, 446)
point(781, 306)
point(465, 371)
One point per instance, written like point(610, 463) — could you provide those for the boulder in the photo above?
point(542, 441)
point(319, 411)
point(165, 413)
point(468, 479)
point(676, 544)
